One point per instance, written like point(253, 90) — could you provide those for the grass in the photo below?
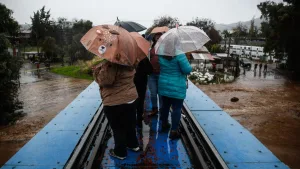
point(29, 49)
point(83, 69)
point(72, 71)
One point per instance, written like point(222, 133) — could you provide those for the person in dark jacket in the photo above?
point(255, 66)
point(260, 66)
point(265, 68)
point(143, 69)
point(153, 78)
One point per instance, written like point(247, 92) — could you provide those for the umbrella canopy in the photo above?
point(202, 56)
point(181, 40)
point(163, 29)
point(142, 43)
point(156, 30)
point(131, 26)
point(112, 43)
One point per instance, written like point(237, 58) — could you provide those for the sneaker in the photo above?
point(112, 153)
point(174, 135)
point(165, 126)
point(136, 149)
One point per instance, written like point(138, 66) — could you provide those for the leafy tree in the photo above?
point(9, 69)
point(282, 31)
point(64, 34)
point(207, 25)
point(225, 35)
point(75, 50)
point(216, 48)
point(41, 25)
point(49, 47)
point(7, 23)
point(214, 35)
point(240, 32)
point(163, 21)
point(253, 30)
point(81, 26)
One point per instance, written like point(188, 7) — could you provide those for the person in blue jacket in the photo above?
point(172, 85)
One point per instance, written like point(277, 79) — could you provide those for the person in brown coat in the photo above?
point(118, 94)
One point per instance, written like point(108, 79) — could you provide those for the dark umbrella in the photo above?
point(130, 26)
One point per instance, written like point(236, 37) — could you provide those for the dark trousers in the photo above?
point(176, 111)
point(141, 86)
point(122, 120)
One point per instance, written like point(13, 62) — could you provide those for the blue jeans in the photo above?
point(176, 111)
point(153, 86)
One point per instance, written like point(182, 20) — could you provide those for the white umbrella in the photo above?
point(180, 40)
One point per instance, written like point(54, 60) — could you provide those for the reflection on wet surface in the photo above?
point(44, 94)
point(158, 151)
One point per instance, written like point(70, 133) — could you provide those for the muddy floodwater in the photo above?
point(44, 95)
point(268, 106)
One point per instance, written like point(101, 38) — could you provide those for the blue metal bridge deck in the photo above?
point(234, 145)
point(158, 151)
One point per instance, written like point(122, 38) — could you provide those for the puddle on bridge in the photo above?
point(268, 106)
point(44, 95)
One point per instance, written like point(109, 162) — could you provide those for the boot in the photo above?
point(165, 126)
point(174, 134)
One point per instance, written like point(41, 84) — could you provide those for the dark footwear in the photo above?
point(112, 153)
point(165, 126)
point(154, 112)
point(174, 135)
point(139, 125)
point(146, 118)
point(136, 149)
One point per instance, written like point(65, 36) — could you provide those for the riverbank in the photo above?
point(269, 107)
point(72, 71)
point(81, 70)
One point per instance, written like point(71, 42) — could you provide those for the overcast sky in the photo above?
point(144, 12)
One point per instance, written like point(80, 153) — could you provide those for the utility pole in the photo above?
point(228, 46)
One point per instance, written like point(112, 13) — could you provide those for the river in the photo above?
point(44, 94)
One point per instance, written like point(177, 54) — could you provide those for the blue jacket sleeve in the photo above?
point(184, 64)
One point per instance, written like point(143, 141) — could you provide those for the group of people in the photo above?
point(260, 67)
point(123, 89)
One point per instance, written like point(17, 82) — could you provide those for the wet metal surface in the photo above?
point(234, 143)
point(158, 151)
point(33, 167)
point(197, 100)
point(47, 148)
